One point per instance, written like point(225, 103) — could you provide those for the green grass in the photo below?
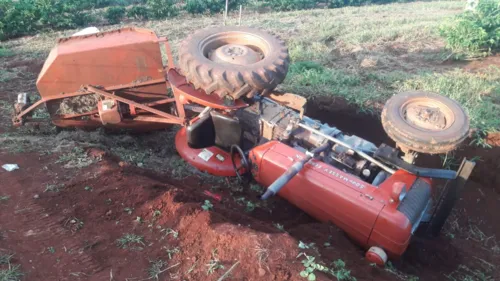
point(311, 79)
point(76, 158)
point(479, 93)
point(7, 75)
point(8, 271)
point(156, 268)
point(130, 241)
point(4, 52)
point(214, 264)
point(12, 273)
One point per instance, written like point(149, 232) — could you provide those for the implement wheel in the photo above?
point(425, 122)
point(233, 61)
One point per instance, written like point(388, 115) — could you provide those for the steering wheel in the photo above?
point(244, 162)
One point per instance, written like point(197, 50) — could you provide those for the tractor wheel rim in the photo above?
point(235, 54)
point(427, 115)
point(237, 48)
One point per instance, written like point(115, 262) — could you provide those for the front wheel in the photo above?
point(425, 122)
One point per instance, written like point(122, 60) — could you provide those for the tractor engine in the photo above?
point(268, 120)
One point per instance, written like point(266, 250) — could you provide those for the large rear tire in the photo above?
point(233, 61)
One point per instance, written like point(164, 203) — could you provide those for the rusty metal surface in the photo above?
point(290, 100)
point(159, 100)
point(179, 83)
point(127, 56)
point(175, 119)
point(109, 112)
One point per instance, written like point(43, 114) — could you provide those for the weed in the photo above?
point(12, 273)
point(156, 268)
point(337, 269)
point(250, 206)
point(303, 245)
point(449, 161)
point(53, 187)
point(5, 258)
point(340, 272)
point(256, 187)
point(170, 231)
point(76, 158)
point(130, 241)
point(207, 205)
point(88, 188)
point(51, 250)
point(279, 227)
point(4, 198)
point(479, 138)
point(310, 266)
point(389, 267)
point(74, 224)
point(128, 210)
point(214, 264)
point(172, 252)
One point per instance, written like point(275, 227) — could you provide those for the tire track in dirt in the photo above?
point(40, 236)
point(44, 227)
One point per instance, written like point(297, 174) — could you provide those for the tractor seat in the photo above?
point(214, 129)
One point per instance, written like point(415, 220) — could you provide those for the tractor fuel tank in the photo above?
point(367, 213)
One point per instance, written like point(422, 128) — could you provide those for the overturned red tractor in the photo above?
point(235, 124)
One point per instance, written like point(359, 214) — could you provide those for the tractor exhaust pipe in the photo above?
point(279, 183)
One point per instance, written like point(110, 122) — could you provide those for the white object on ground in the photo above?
point(10, 167)
point(22, 98)
point(87, 31)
